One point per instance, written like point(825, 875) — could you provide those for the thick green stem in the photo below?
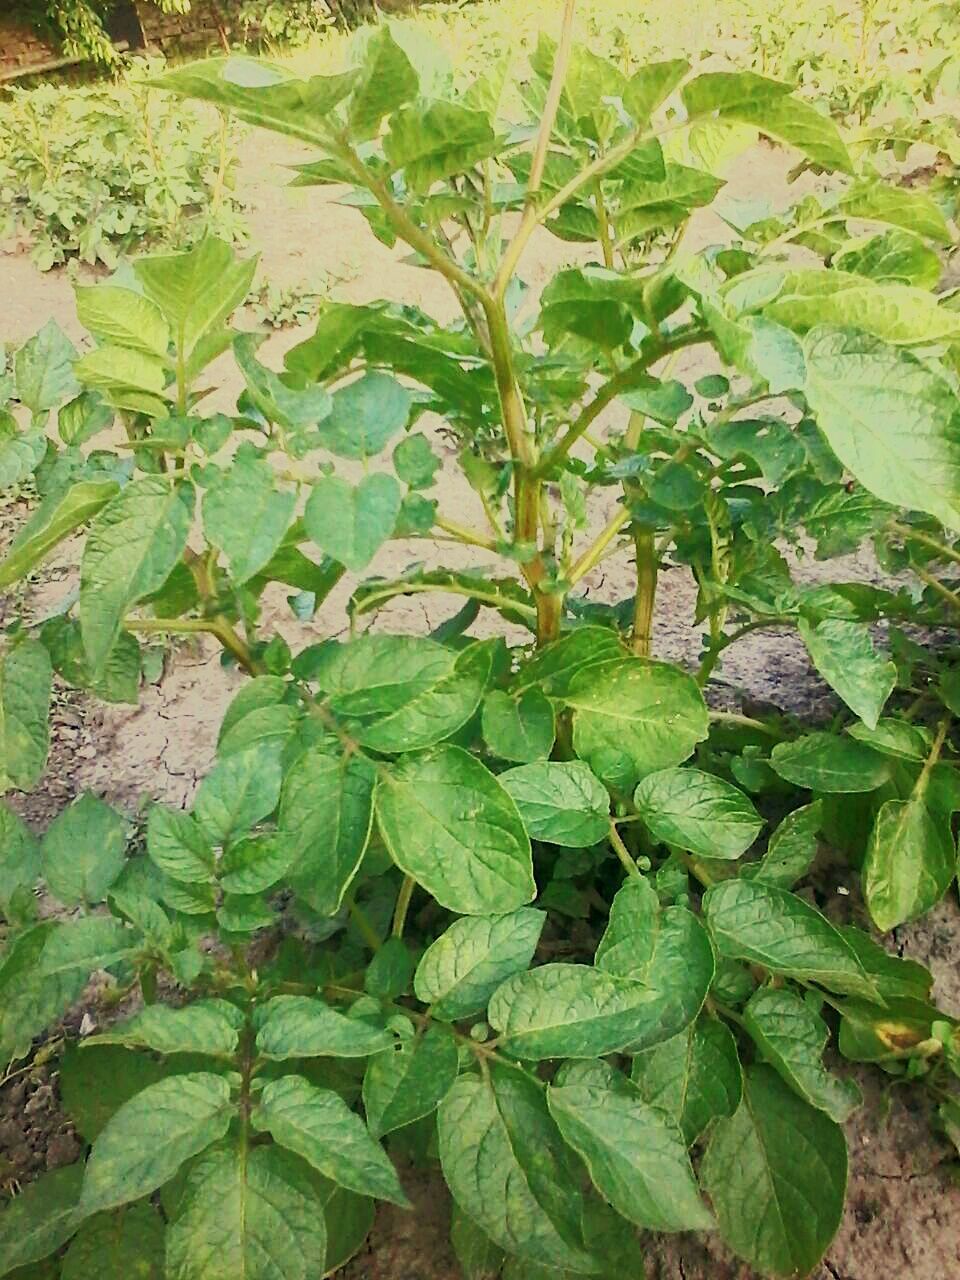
point(623, 853)
point(403, 905)
point(218, 627)
point(646, 593)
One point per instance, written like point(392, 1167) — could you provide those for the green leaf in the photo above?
point(375, 674)
point(896, 313)
point(39, 1220)
point(777, 1175)
point(199, 290)
point(129, 553)
point(25, 686)
point(130, 1244)
point(118, 370)
point(238, 792)
point(366, 413)
point(208, 1027)
point(124, 317)
point(519, 728)
point(251, 1214)
point(57, 516)
point(897, 738)
point(349, 1220)
point(827, 762)
point(800, 125)
point(415, 462)
point(459, 972)
point(96, 1081)
point(844, 654)
point(177, 845)
point(651, 86)
point(437, 140)
point(652, 975)
point(771, 927)
point(561, 803)
point(326, 814)
point(894, 977)
point(246, 516)
point(695, 1077)
point(120, 681)
point(44, 370)
point(896, 256)
point(554, 668)
point(29, 1000)
point(791, 1037)
point(722, 90)
point(319, 1126)
point(83, 851)
point(792, 848)
point(915, 211)
point(388, 80)
point(351, 522)
point(448, 822)
point(149, 1138)
point(409, 1080)
point(889, 418)
point(633, 717)
point(479, 1257)
point(507, 1168)
point(20, 455)
point(80, 946)
point(910, 861)
point(255, 695)
point(250, 866)
point(290, 407)
point(698, 812)
point(434, 712)
point(390, 971)
point(19, 857)
point(636, 1155)
point(301, 1027)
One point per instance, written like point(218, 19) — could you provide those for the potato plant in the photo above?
point(533, 905)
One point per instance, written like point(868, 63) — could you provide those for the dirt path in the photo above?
point(903, 1216)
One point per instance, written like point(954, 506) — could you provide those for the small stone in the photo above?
point(64, 1149)
point(42, 1100)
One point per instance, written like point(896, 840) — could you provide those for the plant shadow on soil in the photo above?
point(902, 1220)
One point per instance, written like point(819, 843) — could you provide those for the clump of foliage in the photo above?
point(538, 909)
point(78, 25)
point(93, 173)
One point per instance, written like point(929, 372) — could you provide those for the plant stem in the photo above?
point(647, 570)
point(623, 853)
point(594, 553)
point(606, 241)
point(363, 926)
point(462, 534)
point(951, 597)
point(746, 722)
point(918, 535)
point(218, 627)
point(403, 905)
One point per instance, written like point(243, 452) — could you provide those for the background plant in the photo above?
point(384, 810)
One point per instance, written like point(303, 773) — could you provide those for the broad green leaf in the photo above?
point(129, 553)
point(897, 256)
point(128, 1244)
point(915, 211)
point(255, 695)
point(436, 140)
point(253, 1215)
point(197, 291)
point(520, 728)
point(409, 1080)
point(319, 1126)
point(189, 898)
point(44, 370)
point(829, 763)
point(697, 811)
point(301, 1027)
point(122, 672)
point(415, 462)
point(349, 1220)
point(375, 674)
point(289, 407)
point(116, 370)
point(124, 317)
point(57, 516)
point(695, 1077)
point(20, 455)
point(894, 977)
point(635, 1154)
point(25, 686)
point(278, 724)
point(896, 313)
point(246, 516)
point(366, 413)
point(553, 669)
point(798, 124)
point(80, 946)
point(31, 1001)
point(561, 803)
point(177, 845)
point(95, 1082)
point(768, 926)
point(507, 1168)
point(434, 712)
point(326, 813)
point(722, 90)
point(390, 972)
point(651, 86)
point(910, 861)
point(19, 857)
point(889, 418)
point(209, 1027)
point(263, 94)
point(250, 866)
point(351, 522)
point(893, 1033)
point(149, 1138)
point(897, 738)
point(844, 654)
point(649, 984)
point(238, 792)
point(40, 1219)
point(791, 1037)
point(792, 848)
point(83, 851)
point(245, 913)
point(387, 81)
point(777, 1176)
point(479, 1257)
point(448, 822)
point(459, 972)
point(633, 717)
